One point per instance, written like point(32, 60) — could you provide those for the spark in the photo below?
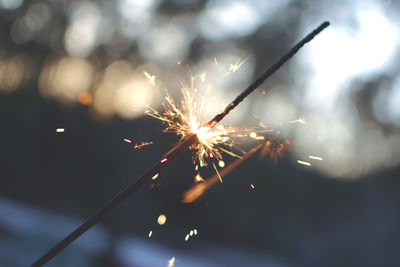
point(161, 219)
point(163, 160)
point(150, 233)
point(60, 130)
point(221, 163)
point(253, 135)
point(198, 178)
point(155, 176)
point(219, 176)
point(142, 144)
point(215, 60)
point(299, 120)
point(171, 262)
point(127, 140)
point(315, 157)
point(235, 66)
point(150, 78)
point(304, 163)
point(190, 234)
point(203, 76)
point(252, 186)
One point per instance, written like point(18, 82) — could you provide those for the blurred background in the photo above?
point(91, 68)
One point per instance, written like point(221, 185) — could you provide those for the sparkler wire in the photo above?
point(267, 73)
point(171, 155)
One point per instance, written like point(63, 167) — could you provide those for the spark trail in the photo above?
point(172, 154)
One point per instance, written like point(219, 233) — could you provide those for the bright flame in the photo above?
point(184, 120)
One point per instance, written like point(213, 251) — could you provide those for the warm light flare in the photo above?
point(162, 219)
point(171, 262)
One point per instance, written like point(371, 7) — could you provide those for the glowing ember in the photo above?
point(150, 233)
point(187, 237)
point(85, 98)
point(198, 178)
point(252, 186)
point(163, 160)
point(60, 130)
point(315, 157)
point(304, 163)
point(171, 262)
point(161, 219)
point(127, 140)
point(154, 177)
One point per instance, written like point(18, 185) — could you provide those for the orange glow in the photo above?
point(275, 149)
point(162, 219)
point(85, 98)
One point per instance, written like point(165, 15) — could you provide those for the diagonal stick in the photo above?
point(172, 154)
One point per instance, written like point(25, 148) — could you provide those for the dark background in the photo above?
point(342, 211)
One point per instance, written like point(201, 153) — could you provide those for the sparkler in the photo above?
point(199, 136)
